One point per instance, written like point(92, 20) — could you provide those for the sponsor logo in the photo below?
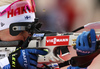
point(24, 57)
point(27, 17)
point(2, 24)
point(57, 40)
point(98, 37)
point(86, 52)
point(38, 35)
point(18, 11)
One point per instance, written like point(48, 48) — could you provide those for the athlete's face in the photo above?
point(5, 36)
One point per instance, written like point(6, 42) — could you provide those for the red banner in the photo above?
point(57, 40)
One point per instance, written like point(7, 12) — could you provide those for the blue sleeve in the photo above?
point(70, 67)
point(7, 67)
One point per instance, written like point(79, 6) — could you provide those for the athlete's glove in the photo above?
point(70, 67)
point(85, 44)
point(25, 58)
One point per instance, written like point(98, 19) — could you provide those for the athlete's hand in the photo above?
point(86, 43)
point(25, 58)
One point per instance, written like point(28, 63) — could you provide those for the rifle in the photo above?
point(52, 42)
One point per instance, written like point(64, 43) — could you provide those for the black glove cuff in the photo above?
point(13, 60)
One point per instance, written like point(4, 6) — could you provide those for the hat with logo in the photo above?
point(18, 11)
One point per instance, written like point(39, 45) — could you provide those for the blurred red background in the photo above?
point(67, 15)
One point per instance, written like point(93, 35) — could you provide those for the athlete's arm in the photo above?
point(24, 59)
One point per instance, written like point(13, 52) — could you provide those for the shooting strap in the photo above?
point(81, 61)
